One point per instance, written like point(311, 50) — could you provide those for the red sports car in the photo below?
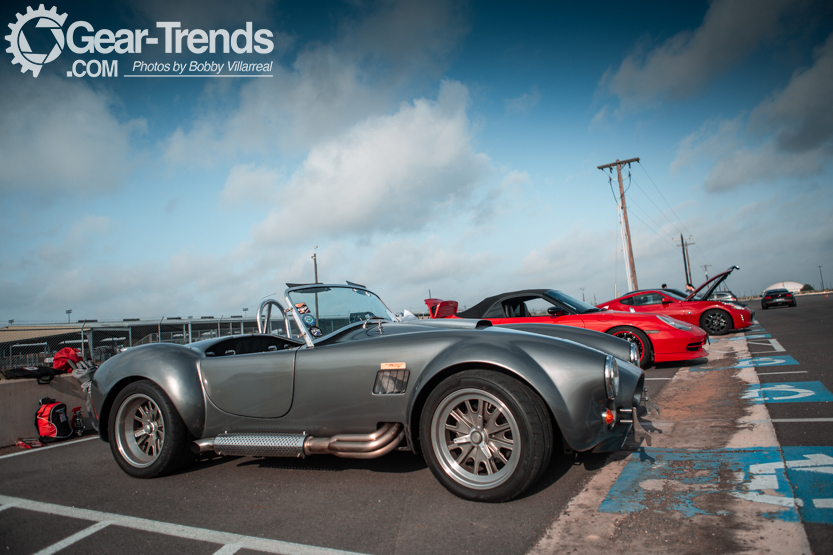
point(658, 338)
point(717, 318)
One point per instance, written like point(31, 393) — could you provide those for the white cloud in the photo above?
point(251, 184)
point(329, 87)
point(801, 113)
point(601, 117)
point(680, 67)
point(60, 135)
point(524, 103)
point(789, 135)
point(388, 173)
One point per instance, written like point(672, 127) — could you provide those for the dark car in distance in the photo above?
point(777, 297)
point(724, 297)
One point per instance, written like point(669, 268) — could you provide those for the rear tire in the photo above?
point(716, 322)
point(485, 436)
point(633, 335)
point(147, 436)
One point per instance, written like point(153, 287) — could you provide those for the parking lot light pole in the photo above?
point(68, 313)
point(822, 279)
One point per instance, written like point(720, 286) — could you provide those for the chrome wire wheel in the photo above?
point(140, 430)
point(476, 439)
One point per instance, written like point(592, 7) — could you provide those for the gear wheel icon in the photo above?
point(19, 46)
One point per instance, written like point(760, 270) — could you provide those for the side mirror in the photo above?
point(666, 300)
point(554, 311)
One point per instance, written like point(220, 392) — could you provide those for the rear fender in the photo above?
point(174, 368)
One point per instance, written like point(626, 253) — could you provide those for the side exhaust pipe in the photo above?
point(357, 446)
point(351, 446)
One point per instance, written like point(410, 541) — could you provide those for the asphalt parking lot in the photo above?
point(74, 499)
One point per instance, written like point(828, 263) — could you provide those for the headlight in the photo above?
point(611, 377)
point(634, 354)
point(674, 323)
point(739, 307)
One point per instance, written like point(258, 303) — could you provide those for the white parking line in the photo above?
point(34, 449)
point(773, 373)
point(802, 420)
point(229, 549)
point(56, 547)
point(225, 539)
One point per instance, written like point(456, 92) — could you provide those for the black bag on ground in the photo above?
point(52, 421)
point(43, 374)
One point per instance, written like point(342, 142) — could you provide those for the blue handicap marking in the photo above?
point(680, 479)
point(793, 392)
point(784, 360)
point(795, 481)
point(810, 471)
point(752, 336)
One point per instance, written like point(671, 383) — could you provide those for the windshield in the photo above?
point(577, 306)
point(325, 310)
point(674, 293)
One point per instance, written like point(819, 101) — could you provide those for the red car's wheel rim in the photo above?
point(633, 338)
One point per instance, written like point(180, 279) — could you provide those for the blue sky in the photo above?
point(420, 146)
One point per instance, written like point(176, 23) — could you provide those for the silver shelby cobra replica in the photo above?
point(344, 376)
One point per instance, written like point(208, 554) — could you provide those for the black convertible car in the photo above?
point(340, 374)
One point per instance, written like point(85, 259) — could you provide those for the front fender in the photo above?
point(174, 368)
point(569, 378)
point(604, 342)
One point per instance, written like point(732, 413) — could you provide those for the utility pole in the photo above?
point(706, 269)
point(623, 221)
point(686, 260)
point(821, 277)
point(315, 262)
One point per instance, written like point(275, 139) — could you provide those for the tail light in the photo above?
point(789, 296)
point(767, 297)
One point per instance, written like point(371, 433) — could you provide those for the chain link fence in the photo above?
point(37, 345)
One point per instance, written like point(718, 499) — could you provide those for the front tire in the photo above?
point(147, 436)
point(716, 322)
point(633, 335)
point(485, 435)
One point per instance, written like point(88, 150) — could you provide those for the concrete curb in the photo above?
point(19, 403)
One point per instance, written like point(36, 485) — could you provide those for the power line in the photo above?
point(669, 205)
point(634, 204)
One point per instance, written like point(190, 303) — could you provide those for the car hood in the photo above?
point(710, 285)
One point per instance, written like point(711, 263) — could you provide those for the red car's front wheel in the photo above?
point(637, 337)
point(716, 322)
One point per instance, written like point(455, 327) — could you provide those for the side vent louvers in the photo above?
point(391, 382)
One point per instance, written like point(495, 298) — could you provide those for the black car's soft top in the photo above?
point(479, 310)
